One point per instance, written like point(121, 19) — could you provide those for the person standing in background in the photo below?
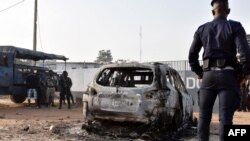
point(33, 85)
point(50, 89)
point(65, 85)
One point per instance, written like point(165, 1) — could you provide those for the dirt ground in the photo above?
point(18, 122)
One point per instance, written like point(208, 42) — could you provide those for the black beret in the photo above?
point(213, 1)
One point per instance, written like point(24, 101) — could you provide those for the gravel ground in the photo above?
point(21, 123)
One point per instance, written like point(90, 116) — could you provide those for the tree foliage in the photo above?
point(120, 61)
point(104, 56)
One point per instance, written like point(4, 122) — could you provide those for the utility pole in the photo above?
point(35, 27)
point(140, 34)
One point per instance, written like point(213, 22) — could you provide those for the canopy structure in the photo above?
point(23, 53)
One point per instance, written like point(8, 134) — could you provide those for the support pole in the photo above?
point(35, 27)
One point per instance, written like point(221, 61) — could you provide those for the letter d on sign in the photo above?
point(190, 83)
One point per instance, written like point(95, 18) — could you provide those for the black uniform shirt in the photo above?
point(219, 38)
point(32, 81)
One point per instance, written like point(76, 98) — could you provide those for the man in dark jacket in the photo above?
point(65, 85)
point(220, 39)
point(33, 85)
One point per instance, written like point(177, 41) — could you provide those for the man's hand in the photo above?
point(200, 76)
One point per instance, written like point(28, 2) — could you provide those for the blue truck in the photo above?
point(15, 64)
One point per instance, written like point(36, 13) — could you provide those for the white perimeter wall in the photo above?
point(81, 78)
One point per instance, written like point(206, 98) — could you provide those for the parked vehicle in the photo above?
point(15, 64)
point(136, 92)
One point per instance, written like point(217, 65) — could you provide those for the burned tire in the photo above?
point(84, 110)
point(17, 98)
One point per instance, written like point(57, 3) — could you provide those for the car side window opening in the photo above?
point(103, 78)
point(125, 77)
point(170, 78)
point(178, 83)
point(181, 84)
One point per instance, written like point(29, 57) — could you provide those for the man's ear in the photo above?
point(213, 12)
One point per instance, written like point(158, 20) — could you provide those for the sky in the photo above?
point(79, 29)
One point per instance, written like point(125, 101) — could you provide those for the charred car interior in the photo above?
point(125, 77)
point(150, 93)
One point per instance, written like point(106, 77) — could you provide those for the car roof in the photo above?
point(135, 65)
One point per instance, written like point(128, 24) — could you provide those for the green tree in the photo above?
point(119, 61)
point(104, 56)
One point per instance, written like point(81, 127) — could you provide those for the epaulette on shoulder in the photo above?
point(201, 26)
point(233, 21)
point(230, 20)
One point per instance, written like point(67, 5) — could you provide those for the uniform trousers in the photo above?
point(224, 84)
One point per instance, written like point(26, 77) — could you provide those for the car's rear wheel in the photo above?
point(17, 98)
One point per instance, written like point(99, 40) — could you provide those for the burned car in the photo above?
point(138, 92)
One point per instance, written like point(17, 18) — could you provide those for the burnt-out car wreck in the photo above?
point(138, 93)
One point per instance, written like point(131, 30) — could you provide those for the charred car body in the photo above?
point(137, 92)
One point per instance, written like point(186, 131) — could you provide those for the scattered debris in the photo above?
point(26, 128)
point(125, 131)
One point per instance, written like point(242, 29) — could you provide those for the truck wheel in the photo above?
point(17, 98)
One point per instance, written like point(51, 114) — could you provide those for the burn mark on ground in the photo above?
point(135, 131)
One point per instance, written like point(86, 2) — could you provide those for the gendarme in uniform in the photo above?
point(221, 40)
